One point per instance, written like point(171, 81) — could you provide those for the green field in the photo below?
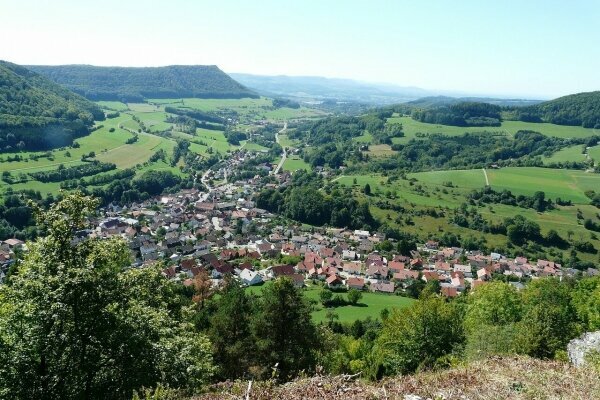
point(370, 305)
point(429, 192)
point(295, 163)
point(563, 183)
point(412, 127)
point(568, 154)
point(129, 155)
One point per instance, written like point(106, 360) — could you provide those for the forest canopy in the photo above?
point(131, 84)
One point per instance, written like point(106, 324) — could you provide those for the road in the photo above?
point(284, 154)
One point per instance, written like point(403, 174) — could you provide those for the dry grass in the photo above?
point(496, 378)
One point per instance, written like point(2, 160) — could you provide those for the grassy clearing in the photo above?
point(370, 305)
point(254, 146)
point(412, 127)
point(295, 163)
point(380, 150)
point(568, 154)
point(285, 141)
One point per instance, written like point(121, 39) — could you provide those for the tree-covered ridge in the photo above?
point(139, 83)
point(36, 113)
point(460, 114)
point(581, 109)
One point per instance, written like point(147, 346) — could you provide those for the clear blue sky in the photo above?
point(525, 48)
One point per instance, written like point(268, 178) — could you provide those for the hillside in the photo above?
point(136, 84)
point(495, 378)
point(36, 113)
point(581, 109)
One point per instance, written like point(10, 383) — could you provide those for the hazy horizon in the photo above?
point(534, 49)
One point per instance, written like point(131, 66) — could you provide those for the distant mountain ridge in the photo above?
point(320, 88)
point(36, 113)
point(433, 101)
point(140, 83)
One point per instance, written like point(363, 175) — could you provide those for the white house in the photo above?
point(250, 278)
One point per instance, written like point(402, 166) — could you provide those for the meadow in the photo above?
point(371, 304)
point(294, 163)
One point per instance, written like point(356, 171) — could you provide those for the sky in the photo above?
point(525, 48)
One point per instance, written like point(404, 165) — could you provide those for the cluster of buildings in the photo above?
point(222, 232)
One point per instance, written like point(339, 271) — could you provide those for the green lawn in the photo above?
point(573, 153)
point(370, 305)
point(412, 127)
point(295, 163)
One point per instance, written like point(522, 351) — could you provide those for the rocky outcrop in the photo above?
point(579, 348)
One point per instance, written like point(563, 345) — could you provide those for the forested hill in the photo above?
point(139, 83)
point(36, 113)
point(581, 109)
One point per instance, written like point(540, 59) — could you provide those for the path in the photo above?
point(487, 182)
point(284, 155)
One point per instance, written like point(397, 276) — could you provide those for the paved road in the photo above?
point(284, 155)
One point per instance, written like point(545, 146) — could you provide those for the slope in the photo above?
point(36, 113)
point(138, 83)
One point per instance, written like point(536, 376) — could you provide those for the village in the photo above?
point(220, 231)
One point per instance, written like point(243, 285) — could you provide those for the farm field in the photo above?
point(568, 154)
point(370, 305)
point(129, 155)
point(412, 127)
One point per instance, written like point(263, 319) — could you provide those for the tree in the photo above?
point(326, 295)
point(549, 319)
point(367, 189)
point(76, 323)
point(203, 289)
point(415, 337)
point(230, 333)
point(354, 296)
point(496, 303)
point(284, 331)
